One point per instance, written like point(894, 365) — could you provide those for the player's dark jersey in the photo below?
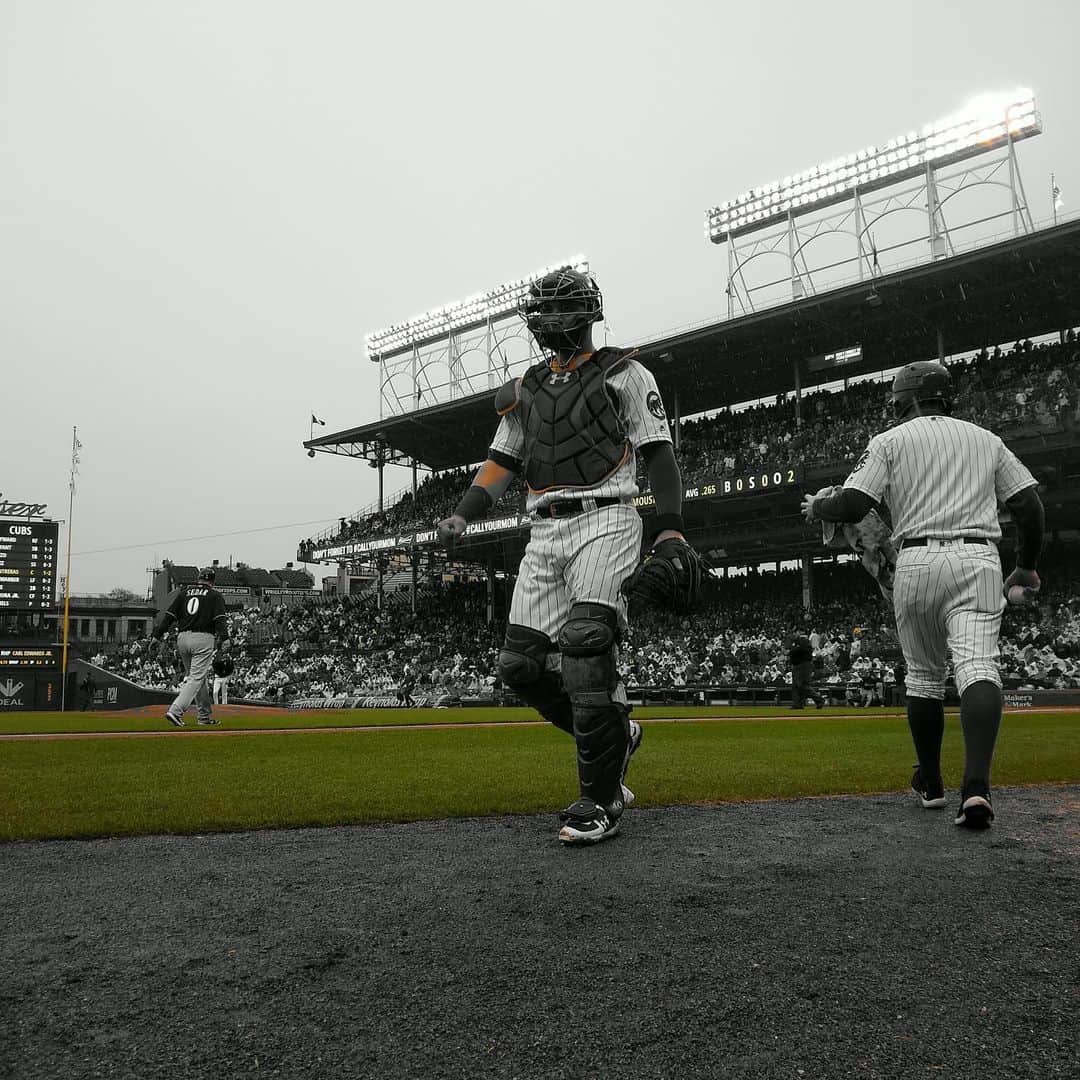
point(223, 666)
point(199, 608)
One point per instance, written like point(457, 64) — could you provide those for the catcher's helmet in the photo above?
point(924, 380)
point(560, 306)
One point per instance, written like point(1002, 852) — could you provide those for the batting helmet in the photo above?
point(559, 307)
point(924, 380)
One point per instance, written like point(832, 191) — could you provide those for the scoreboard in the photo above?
point(32, 656)
point(28, 565)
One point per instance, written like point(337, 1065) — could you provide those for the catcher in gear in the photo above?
point(942, 480)
point(573, 424)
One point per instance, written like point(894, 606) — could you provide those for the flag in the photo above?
point(1058, 201)
point(75, 459)
point(316, 420)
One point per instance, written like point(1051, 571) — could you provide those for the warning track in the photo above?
point(364, 729)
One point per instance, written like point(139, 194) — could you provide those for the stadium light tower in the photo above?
point(989, 123)
point(456, 350)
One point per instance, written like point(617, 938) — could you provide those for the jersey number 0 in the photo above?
point(193, 605)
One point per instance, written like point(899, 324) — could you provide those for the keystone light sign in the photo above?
point(18, 509)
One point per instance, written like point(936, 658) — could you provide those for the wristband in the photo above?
point(475, 503)
point(661, 522)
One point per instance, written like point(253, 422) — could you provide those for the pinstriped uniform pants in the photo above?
point(579, 559)
point(948, 599)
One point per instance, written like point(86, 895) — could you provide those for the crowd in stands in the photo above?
point(1030, 386)
point(433, 495)
point(354, 646)
point(349, 645)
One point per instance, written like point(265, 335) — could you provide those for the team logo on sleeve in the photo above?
point(655, 405)
point(863, 459)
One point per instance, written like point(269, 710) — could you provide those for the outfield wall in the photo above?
point(656, 695)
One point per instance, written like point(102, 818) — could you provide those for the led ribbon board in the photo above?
point(475, 311)
point(986, 123)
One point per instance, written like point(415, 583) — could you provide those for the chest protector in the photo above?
point(573, 435)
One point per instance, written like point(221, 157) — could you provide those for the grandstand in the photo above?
point(765, 404)
point(972, 307)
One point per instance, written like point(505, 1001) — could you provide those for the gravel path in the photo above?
point(835, 938)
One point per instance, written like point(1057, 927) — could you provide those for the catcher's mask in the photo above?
point(921, 382)
point(559, 308)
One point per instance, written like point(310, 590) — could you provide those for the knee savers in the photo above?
point(587, 644)
point(522, 666)
point(523, 657)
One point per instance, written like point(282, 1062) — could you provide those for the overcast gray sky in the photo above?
point(206, 205)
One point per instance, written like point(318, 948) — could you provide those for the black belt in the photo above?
point(569, 507)
point(921, 541)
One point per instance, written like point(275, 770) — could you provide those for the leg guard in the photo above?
point(601, 722)
point(523, 668)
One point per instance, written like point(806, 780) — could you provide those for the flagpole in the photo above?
point(1053, 196)
point(67, 573)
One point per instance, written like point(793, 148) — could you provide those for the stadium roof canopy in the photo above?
point(1018, 288)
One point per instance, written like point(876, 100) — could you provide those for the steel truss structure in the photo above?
point(458, 350)
point(862, 258)
point(460, 363)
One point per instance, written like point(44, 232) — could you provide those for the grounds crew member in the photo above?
point(801, 657)
point(223, 667)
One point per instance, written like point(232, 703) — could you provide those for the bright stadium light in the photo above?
point(985, 123)
point(473, 311)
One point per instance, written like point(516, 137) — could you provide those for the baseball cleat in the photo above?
point(209, 721)
point(628, 796)
point(176, 721)
point(585, 822)
point(975, 812)
point(932, 796)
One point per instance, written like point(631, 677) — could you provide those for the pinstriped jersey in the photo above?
point(641, 414)
point(940, 477)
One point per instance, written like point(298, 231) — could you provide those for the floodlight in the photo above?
point(493, 303)
point(987, 122)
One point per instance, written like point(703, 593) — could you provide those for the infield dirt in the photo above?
point(829, 937)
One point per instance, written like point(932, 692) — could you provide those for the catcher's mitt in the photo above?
point(669, 577)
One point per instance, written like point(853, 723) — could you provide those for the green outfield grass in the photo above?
point(95, 787)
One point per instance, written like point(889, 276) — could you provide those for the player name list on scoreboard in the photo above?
point(28, 565)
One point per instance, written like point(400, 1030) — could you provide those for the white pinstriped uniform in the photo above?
point(942, 478)
point(585, 557)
